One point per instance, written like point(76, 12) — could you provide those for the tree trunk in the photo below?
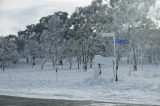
point(27, 60)
point(43, 64)
point(3, 66)
point(116, 76)
point(150, 59)
point(134, 58)
point(91, 61)
point(128, 59)
point(70, 62)
point(85, 54)
point(85, 63)
point(33, 61)
point(78, 61)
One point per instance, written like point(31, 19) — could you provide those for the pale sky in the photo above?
point(16, 14)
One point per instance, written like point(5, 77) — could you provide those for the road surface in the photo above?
point(20, 101)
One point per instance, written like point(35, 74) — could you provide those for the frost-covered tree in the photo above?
point(127, 16)
point(8, 52)
point(32, 49)
point(85, 22)
point(53, 37)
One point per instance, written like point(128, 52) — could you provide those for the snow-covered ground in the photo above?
point(141, 87)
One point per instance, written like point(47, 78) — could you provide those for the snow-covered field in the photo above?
point(141, 87)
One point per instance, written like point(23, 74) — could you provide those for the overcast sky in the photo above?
point(16, 14)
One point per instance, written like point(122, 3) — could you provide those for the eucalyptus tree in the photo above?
point(8, 51)
point(153, 48)
point(23, 38)
point(52, 39)
point(86, 22)
point(32, 49)
point(129, 15)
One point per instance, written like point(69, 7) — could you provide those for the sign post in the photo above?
point(120, 41)
point(112, 34)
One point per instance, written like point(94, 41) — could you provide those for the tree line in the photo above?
point(61, 36)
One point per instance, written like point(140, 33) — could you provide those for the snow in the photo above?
point(140, 87)
point(103, 60)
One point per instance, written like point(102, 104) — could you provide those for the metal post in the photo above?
point(115, 68)
point(114, 51)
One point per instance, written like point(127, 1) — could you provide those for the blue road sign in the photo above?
point(121, 41)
